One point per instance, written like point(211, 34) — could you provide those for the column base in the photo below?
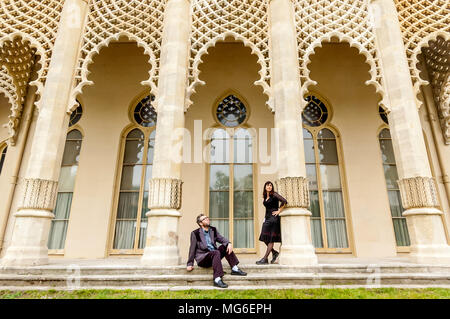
point(296, 248)
point(430, 254)
point(29, 242)
point(161, 247)
point(161, 256)
point(427, 234)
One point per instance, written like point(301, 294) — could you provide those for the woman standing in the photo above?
point(271, 232)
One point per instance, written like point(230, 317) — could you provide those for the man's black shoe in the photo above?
point(239, 272)
point(220, 284)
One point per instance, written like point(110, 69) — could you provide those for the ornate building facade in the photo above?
point(125, 119)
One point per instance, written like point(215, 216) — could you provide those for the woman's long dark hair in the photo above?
point(265, 192)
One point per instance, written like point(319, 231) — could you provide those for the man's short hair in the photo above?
point(199, 218)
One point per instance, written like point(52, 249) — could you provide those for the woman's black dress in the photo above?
point(271, 232)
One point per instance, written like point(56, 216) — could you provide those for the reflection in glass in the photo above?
point(66, 185)
point(391, 176)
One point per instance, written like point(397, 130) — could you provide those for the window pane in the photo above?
point(63, 204)
point(306, 134)
point(401, 232)
point(333, 204)
point(325, 133)
point(385, 133)
point(336, 233)
point(327, 151)
point(58, 232)
point(71, 153)
point(395, 202)
point(220, 151)
point(136, 133)
point(128, 205)
point(67, 178)
point(316, 233)
point(219, 177)
point(243, 151)
point(218, 205)
point(134, 152)
point(312, 176)
point(148, 176)
point(2, 158)
point(144, 221)
point(243, 234)
point(243, 177)
point(314, 206)
point(329, 175)
point(145, 208)
point(74, 135)
point(223, 226)
point(124, 234)
point(310, 157)
point(243, 204)
point(390, 173)
point(131, 177)
point(387, 151)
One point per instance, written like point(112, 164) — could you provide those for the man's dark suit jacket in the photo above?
point(198, 248)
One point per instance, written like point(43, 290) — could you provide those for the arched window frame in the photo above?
point(231, 133)
point(147, 132)
point(314, 130)
point(78, 128)
point(3, 152)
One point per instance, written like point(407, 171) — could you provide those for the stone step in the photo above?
point(252, 280)
point(251, 269)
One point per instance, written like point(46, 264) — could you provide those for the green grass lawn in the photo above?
point(360, 293)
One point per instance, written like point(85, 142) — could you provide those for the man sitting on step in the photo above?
point(203, 248)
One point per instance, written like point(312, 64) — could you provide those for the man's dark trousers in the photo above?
point(214, 258)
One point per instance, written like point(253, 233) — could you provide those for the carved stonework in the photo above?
point(39, 194)
point(444, 105)
point(165, 193)
point(295, 190)
point(418, 192)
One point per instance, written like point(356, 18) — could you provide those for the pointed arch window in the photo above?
point(327, 204)
point(391, 176)
point(66, 184)
point(130, 225)
point(3, 151)
point(231, 202)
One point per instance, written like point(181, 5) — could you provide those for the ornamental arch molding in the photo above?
point(245, 21)
point(140, 21)
point(445, 109)
point(350, 21)
point(421, 22)
point(36, 22)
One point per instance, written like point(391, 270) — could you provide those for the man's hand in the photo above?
point(229, 248)
point(189, 268)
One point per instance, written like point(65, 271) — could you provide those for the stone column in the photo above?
point(33, 218)
point(297, 248)
point(161, 247)
point(417, 187)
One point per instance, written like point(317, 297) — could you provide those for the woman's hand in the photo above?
point(276, 213)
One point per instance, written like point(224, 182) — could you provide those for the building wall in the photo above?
point(4, 113)
point(117, 72)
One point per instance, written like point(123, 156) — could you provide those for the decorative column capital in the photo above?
point(295, 190)
point(418, 192)
point(39, 194)
point(165, 193)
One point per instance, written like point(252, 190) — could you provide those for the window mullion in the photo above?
point(320, 191)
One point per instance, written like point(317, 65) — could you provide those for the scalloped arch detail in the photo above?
point(350, 21)
point(139, 20)
point(245, 21)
